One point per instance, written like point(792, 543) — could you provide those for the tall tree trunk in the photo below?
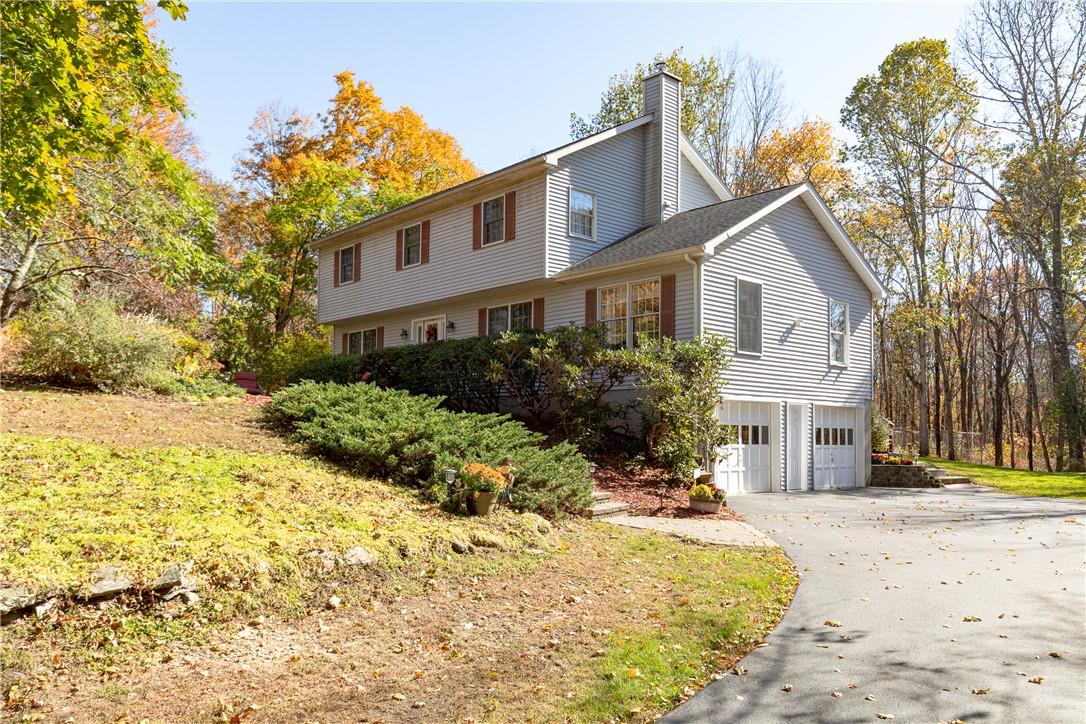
point(9, 301)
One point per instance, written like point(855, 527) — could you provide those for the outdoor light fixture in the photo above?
point(450, 475)
point(450, 325)
point(403, 334)
point(797, 322)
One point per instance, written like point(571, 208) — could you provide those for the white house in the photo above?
point(630, 228)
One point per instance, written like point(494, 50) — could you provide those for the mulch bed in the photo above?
point(640, 489)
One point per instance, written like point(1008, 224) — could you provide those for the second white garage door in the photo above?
point(746, 465)
point(834, 447)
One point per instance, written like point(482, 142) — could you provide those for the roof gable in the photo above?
point(700, 231)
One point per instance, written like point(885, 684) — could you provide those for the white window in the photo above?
point(748, 316)
point(493, 220)
point(412, 245)
point(346, 265)
point(369, 340)
point(582, 214)
point(516, 317)
point(354, 343)
point(630, 310)
point(838, 333)
point(429, 330)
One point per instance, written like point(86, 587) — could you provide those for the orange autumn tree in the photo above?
point(301, 178)
point(807, 152)
point(394, 149)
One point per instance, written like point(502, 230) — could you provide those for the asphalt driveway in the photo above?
point(920, 605)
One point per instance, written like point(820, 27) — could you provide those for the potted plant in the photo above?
point(706, 499)
point(483, 484)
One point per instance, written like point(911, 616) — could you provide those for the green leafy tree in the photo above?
point(682, 382)
point(89, 188)
point(917, 101)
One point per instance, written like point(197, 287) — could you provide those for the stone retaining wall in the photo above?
point(901, 476)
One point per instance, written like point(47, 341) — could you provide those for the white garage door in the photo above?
point(834, 447)
point(745, 466)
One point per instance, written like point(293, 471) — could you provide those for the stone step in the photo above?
point(949, 479)
point(600, 495)
point(607, 509)
point(935, 472)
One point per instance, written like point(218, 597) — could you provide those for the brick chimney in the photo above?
point(661, 94)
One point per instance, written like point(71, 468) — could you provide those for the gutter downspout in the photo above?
point(695, 262)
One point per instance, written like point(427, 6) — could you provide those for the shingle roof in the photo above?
point(681, 231)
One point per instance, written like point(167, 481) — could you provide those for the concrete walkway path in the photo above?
point(718, 532)
point(924, 605)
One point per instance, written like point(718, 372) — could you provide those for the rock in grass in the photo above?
point(15, 600)
point(488, 540)
point(108, 580)
point(358, 556)
point(175, 575)
point(461, 546)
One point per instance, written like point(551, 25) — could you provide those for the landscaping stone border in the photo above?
point(902, 476)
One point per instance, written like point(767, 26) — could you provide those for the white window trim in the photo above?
point(362, 344)
point(569, 214)
point(339, 269)
point(529, 302)
point(440, 328)
point(629, 305)
point(359, 333)
point(830, 332)
point(482, 231)
point(403, 250)
point(761, 317)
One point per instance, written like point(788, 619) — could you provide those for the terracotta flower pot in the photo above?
point(484, 503)
point(706, 506)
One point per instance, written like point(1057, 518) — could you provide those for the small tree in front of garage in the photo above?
point(681, 384)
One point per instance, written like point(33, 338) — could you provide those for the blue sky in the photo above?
point(503, 78)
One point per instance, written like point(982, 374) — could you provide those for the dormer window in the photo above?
point(346, 265)
point(412, 245)
point(582, 214)
point(494, 220)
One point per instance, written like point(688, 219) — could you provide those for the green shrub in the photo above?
point(681, 382)
point(410, 440)
point(880, 432)
point(90, 344)
point(278, 365)
point(343, 369)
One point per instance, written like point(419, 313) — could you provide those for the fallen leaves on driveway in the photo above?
point(835, 624)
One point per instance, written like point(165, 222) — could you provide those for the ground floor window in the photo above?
point(628, 311)
point(354, 343)
point(369, 340)
point(516, 317)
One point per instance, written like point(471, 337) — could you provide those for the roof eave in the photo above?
point(573, 273)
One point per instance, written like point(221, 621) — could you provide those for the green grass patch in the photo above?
point(1019, 482)
point(719, 603)
point(249, 523)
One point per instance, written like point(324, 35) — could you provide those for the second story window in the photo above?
point(346, 265)
point(748, 316)
point(493, 220)
point(838, 333)
point(582, 214)
point(412, 245)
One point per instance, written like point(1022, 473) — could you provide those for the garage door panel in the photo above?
point(746, 465)
point(835, 447)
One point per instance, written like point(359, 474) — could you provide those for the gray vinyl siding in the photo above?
point(652, 98)
point(800, 270)
point(454, 267)
point(695, 192)
point(611, 170)
point(669, 168)
point(563, 304)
